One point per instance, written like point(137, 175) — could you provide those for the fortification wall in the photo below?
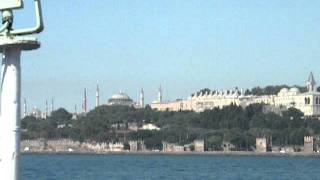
point(67, 145)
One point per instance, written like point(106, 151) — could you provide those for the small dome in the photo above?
point(284, 90)
point(295, 90)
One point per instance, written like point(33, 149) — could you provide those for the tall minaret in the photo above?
point(97, 96)
point(52, 105)
point(142, 98)
point(84, 105)
point(25, 108)
point(75, 109)
point(160, 95)
point(311, 84)
point(75, 115)
point(46, 114)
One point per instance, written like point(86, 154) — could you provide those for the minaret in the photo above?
point(75, 114)
point(46, 110)
point(84, 105)
point(25, 108)
point(142, 98)
point(97, 96)
point(52, 105)
point(75, 109)
point(311, 84)
point(160, 95)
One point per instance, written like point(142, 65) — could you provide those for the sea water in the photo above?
point(154, 167)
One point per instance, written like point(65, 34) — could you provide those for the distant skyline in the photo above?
point(181, 45)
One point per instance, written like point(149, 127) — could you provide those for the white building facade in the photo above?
point(308, 102)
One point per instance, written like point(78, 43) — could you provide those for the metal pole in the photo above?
point(12, 42)
point(10, 113)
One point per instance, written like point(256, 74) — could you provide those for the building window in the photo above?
point(305, 101)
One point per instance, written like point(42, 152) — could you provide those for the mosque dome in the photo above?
point(120, 99)
point(284, 90)
point(295, 90)
point(120, 95)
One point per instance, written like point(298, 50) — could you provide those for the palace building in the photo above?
point(308, 102)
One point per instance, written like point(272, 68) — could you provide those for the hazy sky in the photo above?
point(182, 45)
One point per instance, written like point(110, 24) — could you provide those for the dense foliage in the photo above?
point(268, 90)
point(272, 90)
point(231, 124)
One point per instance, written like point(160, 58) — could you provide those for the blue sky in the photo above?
point(182, 45)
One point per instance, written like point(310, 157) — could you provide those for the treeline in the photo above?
point(272, 90)
point(231, 124)
point(268, 90)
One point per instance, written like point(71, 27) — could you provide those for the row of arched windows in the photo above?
point(308, 101)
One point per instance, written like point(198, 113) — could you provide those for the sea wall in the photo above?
point(68, 145)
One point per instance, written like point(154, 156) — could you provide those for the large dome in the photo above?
point(120, 95)
point(120, 99)
point(284, 90)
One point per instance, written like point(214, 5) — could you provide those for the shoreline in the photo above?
point(209, 153)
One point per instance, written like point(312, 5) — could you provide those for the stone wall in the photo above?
point(68, 145)
point(33, 145)
point(62, 145)
point(171, 147)
point(137, 146)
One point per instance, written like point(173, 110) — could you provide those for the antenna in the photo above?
point(6, 6)
point(10, 4)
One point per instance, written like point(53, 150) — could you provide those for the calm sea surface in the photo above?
point(87, 167)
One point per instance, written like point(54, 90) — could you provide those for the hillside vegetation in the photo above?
point(230, 124)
